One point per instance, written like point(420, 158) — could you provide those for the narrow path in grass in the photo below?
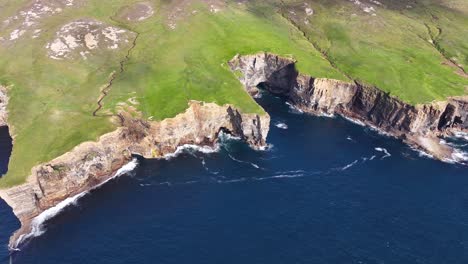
point(106, 89)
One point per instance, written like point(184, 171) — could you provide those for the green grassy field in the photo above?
point(52, 102)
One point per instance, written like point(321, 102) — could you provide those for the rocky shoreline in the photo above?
point(92, 163)
point(420, 126)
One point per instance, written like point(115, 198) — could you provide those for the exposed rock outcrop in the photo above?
point(92, 163)
point(3, 106)
point(420, 125)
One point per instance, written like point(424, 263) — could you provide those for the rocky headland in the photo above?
point(92, 163)
point(420, 126)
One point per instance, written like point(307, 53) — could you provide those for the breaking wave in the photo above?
point(37, 223)
point(385, 151)
point(281, 125)
point(355, 121)
point(460, 156)
point(190, 148)
point(461, 135)
point(293, 109)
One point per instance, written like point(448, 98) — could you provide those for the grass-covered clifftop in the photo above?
point(57, 56)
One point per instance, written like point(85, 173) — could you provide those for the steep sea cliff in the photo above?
point(92, 163)
point(420, 126)
point(325, 191)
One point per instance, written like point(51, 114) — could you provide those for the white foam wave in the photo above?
point(349, 138)
point(267, 147)
point(453, 145)
point(245, 162)
point(294, 109)
point(355, 121)
point(460, 156)
point(37, 223)
point(281, 176)
point(461, 135)
point(281, 125)
point(226, 136)
point(232, 181)
point(349, 165)
point(187, 148)
point(385, 151)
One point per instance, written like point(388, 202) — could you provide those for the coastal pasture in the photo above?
point(389, 47)
point(169, 67)
point(182, 51)
point(52, 101)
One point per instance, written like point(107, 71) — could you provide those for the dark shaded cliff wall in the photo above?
point(418, 125)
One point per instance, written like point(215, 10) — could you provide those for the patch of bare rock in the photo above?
point(3, 106)
point(137, 12)
point(85, 37)
point(27, 19)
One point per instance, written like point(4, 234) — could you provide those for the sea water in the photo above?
point(324, 191)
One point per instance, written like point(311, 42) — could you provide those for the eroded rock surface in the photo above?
point(3, 106)
point(92, 163)
point(136, 12)
point(85, 37)
point(27, 20)
point(420, 125)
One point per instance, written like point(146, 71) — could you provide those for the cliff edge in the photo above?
point(3, 106)
point(92, 163)
point(420, 126)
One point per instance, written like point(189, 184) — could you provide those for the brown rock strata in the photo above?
point(420, 126)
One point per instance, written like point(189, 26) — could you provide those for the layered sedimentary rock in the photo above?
point(3, 106)
point(92, 163)
point(419, 125)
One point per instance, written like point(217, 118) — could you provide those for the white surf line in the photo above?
point(293, 109)
point(187, 147)
point(461, 135)
point(246, 162)
point(348, 165)
point(37, 224)
point(387, 154)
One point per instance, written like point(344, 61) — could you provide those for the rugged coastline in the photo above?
point(93, 163)
point(420, 126)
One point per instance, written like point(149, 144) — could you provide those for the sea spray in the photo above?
point(37, 224)
point(190, 148)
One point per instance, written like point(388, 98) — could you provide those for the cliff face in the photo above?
point(3, 105)
point(92, 163)
point(420, 125)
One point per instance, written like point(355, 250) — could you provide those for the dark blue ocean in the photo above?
point(326, 191)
